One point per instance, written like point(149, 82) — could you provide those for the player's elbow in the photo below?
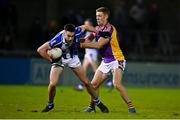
point(40, 50)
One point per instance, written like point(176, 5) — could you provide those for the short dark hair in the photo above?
point(105, 10)
point(69, 27)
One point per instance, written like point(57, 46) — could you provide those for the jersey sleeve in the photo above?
point(57, 40)
point(79, 32)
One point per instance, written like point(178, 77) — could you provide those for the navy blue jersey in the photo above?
point(69, 50)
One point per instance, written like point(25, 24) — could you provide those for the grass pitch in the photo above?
point(21, 102)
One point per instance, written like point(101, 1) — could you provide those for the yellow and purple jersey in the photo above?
point(110, 51)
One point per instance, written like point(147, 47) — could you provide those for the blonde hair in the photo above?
point(104, 10)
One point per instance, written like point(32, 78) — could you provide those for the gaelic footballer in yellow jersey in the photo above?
point(107, 41)
point(110, 51)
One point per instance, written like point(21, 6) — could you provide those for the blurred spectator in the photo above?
point(79, 17)
point(138, 15)
point(3, 12)
point(39, 33)
point(35, 34)
point(6, 42)
point(121, 20)
point(8, 24)
point(153, 25)
point(73, 17)
point(69, 17)
point(13, 16)
point(120, 14)
point(53, 29)
point(8, 14)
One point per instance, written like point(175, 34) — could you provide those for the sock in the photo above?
point(130, 104)
point(80, 86)
point(96, 101)
point(91, 105)
point(50, 104)
point(109, 84)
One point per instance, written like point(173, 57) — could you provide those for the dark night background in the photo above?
point(149, 30)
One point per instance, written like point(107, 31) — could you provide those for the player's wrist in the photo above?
point(50, 60)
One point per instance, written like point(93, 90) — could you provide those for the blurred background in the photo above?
point(149, 32)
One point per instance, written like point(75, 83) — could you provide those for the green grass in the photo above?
point(19, 101)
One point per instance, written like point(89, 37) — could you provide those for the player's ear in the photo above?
point(106, 16)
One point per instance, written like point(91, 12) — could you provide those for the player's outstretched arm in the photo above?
point(89, 28)
point(101, 41)
point(42, 50)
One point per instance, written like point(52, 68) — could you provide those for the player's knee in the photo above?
point(95, 85)
point(86, 83)
point(117, 84)
point(52, 84)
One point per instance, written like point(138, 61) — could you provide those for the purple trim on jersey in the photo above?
point(105, 26)
point(121, 64)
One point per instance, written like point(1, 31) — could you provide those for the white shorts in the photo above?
point(110, 67)
point(92, 57)
point(70, 62)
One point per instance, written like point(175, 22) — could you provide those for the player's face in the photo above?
point(101, 18)
point(69, 36)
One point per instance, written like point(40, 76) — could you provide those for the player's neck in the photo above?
point(103, 26)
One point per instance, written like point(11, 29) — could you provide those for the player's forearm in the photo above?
point(90, 45)
point(43, 52)
point(101, 42)
point(92, 29)
point(89, 28)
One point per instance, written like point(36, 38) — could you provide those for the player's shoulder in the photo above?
point(78, 31)
point(97, 27)
point(59, 34)
point(57, 38)
point(109, 27)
